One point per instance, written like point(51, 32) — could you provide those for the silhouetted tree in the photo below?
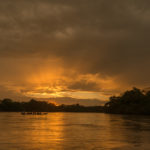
point(134, 101)
point(43, 106)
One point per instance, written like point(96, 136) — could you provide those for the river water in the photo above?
point(74, 131)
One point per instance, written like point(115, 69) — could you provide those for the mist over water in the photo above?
point(76, 131)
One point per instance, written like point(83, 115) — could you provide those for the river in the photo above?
point(74, 131)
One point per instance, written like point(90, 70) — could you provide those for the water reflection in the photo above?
point(65, 131)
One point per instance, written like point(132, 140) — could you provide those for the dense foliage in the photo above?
point(134, 101)
point(42, 106)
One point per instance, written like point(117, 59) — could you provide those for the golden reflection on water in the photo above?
point(66, 131)
point(47, 129)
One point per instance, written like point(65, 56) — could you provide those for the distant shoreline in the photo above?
point(8, 105)
point(133, 102)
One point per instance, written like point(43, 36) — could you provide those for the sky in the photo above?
point(80, 49)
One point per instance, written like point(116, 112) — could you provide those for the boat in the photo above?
point(34, 113)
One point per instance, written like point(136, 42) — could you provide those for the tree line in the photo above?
point(8, 105)
point(134, 101)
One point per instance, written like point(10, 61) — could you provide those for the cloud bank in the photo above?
point(62, 46)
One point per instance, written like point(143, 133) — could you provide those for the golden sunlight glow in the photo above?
point(48, 82)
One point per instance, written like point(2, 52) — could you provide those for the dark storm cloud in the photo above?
point(84, 85)
point(101, 36)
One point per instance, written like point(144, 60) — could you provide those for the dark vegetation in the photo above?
point(134, 101)
point(41, 106)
